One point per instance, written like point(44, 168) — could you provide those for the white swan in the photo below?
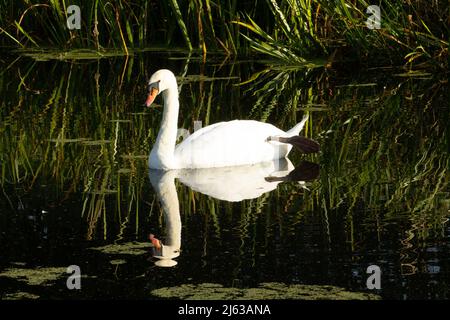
point(237, 142)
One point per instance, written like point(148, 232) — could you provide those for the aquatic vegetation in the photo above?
point(74, 54)
point(20, 296)
point(123, 24)
point(414, 32)
point(264, 291)
point(128, 248)
point(77, 146)
point(44, 276)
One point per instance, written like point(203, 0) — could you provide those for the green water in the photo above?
point(76, 188)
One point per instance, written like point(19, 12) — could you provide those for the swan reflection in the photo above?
point(227, 183)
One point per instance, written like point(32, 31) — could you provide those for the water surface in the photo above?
point(76, 188)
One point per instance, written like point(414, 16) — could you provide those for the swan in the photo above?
point(231, 143)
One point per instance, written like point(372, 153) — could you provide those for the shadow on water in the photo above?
point(74, 144)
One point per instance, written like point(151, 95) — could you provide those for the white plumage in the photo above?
point(232, 143)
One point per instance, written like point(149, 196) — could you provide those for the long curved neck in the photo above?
point(164, 147)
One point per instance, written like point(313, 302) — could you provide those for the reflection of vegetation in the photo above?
point(77, 54)
point(84, 135)
point(404, 151)
point(382, 154)
point(35, 277)
point(383, 145)
point(265, 291)
point(389, 154)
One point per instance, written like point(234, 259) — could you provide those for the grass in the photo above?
point(413, 33)
point(201, 25)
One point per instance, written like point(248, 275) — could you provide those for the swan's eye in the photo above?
point(154, 85)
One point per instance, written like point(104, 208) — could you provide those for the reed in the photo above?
point(413, 33)
point(123, 24)
point(294, 31)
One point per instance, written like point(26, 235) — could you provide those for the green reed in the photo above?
point(414, 33)
point(200, 24)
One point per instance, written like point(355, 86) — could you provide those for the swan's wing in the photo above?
point(204, 130)
point(229, 143)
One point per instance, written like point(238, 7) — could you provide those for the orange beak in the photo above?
point(151, 97)
point(156, 242)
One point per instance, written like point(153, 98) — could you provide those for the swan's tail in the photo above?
point(297, 128)
point(303, 144)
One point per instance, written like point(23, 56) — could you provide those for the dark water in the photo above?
point(74, 142)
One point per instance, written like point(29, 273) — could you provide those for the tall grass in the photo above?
point(198, 24)
point(412, 32)
point(113, 24)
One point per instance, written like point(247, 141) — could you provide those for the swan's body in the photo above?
point(231, 143)
point(237, 142)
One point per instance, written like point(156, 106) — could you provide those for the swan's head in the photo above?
point(159, 81)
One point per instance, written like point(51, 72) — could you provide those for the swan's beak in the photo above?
point(156, 242)
point(151, 97)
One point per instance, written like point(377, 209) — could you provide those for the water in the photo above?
point(73, 152)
